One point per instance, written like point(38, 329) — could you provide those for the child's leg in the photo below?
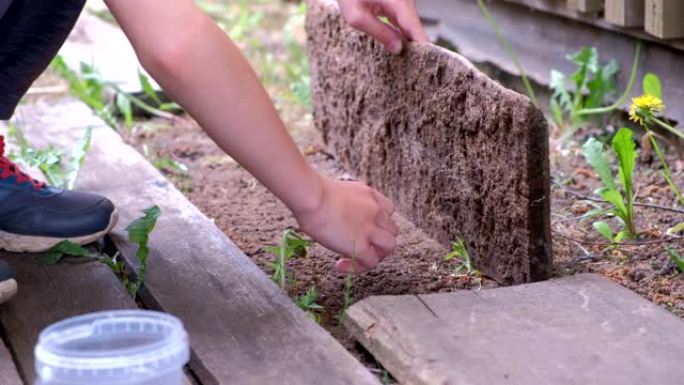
point(33, 216)
point(31, 33)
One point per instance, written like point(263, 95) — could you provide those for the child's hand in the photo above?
point(363, 15)
point(353, 220)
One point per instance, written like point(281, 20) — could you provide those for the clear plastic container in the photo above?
point(131, 347)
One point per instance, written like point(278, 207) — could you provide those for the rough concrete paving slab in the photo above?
point(460, 155)
point(578, 330)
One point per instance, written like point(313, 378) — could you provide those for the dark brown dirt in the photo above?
point(475, 152)
point(254, 219)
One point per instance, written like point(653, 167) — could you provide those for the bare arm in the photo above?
point(200, 68)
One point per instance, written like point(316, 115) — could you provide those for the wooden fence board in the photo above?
point(586, 6)
point(625, 13)
point(576, 330)
point(664, 18)
point(243, 328)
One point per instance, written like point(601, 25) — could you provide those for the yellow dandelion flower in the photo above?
point(644, 107)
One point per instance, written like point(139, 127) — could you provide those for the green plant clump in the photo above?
point(307, 302)
point(291, 245)
point(591, 83)
point(138, 232)
point(622, 201)
point(465, 266)
point(60, 169)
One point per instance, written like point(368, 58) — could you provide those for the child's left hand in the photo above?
point(363, 15)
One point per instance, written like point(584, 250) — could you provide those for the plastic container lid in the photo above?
point(125, 345)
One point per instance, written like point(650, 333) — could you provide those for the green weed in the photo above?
point(138, 232)
point(622, 201)
point(346, 293)
point(291, 245)
point(591, 84)
point(60, 169)
point(307, 302)
point(92, 89)
point(676, 258)
point(465, 267)
point(168, 164)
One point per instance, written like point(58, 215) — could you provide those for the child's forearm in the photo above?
point(199, 67)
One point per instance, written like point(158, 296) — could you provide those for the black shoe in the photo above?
point(8, 285)
point(34, 217)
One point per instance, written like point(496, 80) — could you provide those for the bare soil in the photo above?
point(254, 219)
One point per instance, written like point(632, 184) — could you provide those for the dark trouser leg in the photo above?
point(31, 33)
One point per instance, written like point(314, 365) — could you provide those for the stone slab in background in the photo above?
point(460, 155)
point(577, 330)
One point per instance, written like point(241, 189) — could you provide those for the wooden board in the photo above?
point(625, 13)
point(586, 6)
point(664, 18)
point(8, 370)
point(48, 294)
point(576, 330)
point(243, 328)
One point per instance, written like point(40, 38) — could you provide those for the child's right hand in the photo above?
point(353, 220)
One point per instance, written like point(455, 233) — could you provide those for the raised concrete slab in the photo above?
point(460, 155)
point(578, 330)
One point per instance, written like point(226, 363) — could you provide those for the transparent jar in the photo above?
point(131, 347)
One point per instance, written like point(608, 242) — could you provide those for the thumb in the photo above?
point(386, 34)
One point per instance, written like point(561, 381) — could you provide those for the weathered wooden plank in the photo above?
point(586, 6)
point(625, 13)
point(664, 18)
point(243, 328)
point(8, 370)
point(48, 294)
point(576, 330)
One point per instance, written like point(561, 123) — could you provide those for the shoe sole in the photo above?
point(8, 289)
point(34, 244)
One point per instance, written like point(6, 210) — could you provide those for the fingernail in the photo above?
point(395, 47)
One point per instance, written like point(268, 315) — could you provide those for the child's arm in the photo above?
point(199, 67)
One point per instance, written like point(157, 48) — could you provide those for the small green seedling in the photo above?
point(622, 201)
point(346, 294)
point(465, 267)
point(591, 85)
point(138, 232)
point(307, 302)
point(677, 259)
point(59, 169)
point(291, 245)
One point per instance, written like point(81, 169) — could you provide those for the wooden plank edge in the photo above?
point(221, 259)
point(9, 371)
